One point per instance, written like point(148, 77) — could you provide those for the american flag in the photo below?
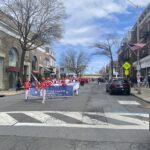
point(136, 46)
point(36, 82)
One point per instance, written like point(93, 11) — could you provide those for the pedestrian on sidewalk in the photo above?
point(135, 83)
point(26, 87)
point(146, 82)
point(149, 80)
point(19, 84)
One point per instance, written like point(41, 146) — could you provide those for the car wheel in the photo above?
point(128, 93)
point(106, 90)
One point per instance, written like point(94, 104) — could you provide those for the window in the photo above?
point(13, 57)
point(34, 63)
point(46, 62)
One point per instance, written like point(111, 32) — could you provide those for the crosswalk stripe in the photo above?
point(125, 118)
point(78, 119)
point(109, 126)
point(44, 118)
point(6, 119)
point(129, 103)
point(82, 117)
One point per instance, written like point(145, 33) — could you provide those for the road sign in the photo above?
point(138, 67)
point(126, 72)
point(126, 65)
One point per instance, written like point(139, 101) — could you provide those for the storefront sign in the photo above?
point(11, 69)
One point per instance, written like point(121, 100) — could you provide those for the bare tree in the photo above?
point(75, 61)
point(38, 22)
point(105, 49)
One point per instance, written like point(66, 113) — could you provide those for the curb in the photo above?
point(140, 98)
point(3, 95)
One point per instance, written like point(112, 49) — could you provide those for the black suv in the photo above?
point(118, 85)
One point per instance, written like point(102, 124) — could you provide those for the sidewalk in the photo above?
point(10, 93)
point(145, 94)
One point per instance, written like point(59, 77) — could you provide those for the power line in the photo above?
point(133, 3)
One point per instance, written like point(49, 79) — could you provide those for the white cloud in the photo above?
point(80, 27)
point(84, 26)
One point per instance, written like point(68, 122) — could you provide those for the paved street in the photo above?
point(94, 120)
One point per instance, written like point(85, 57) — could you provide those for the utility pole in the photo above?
point(138, 50)
point(138, 59)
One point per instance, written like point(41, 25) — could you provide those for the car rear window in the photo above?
point(120, 81)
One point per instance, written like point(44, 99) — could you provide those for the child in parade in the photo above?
point(43, 85)
point(26, 87)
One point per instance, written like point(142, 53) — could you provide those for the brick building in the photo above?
point(39, 62)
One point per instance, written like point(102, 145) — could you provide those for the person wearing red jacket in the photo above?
point(26, 88)
point(63, 83)
point(43, 86)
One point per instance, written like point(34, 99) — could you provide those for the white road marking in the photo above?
point(109, 126)
point(129, 103)
point(44, 118)
point(125, 119)
point(88, 122)
point(6, 119)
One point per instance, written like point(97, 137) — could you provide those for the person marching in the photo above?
point(26, 87)
point(43, 89)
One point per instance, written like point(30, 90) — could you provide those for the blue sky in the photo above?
point(90, 21)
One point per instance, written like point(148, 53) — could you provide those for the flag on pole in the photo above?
point(136, 46)
point(36, 82)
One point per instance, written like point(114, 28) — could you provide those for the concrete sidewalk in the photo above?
point(10, 92)
point(145, 94)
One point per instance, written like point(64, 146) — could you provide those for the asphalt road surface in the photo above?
point(94, 120)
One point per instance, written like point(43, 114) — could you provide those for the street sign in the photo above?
point(138, 67)
point(126, 65)
point(126, 72)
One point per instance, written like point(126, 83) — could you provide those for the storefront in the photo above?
point(144, 66)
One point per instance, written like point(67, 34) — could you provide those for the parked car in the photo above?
point(118, 85)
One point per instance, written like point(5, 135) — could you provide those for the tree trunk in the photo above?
point(77, 73)
point(112, 68)
point(21, 69)
point(112, 64)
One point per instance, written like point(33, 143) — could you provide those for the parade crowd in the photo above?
point(46, 82)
